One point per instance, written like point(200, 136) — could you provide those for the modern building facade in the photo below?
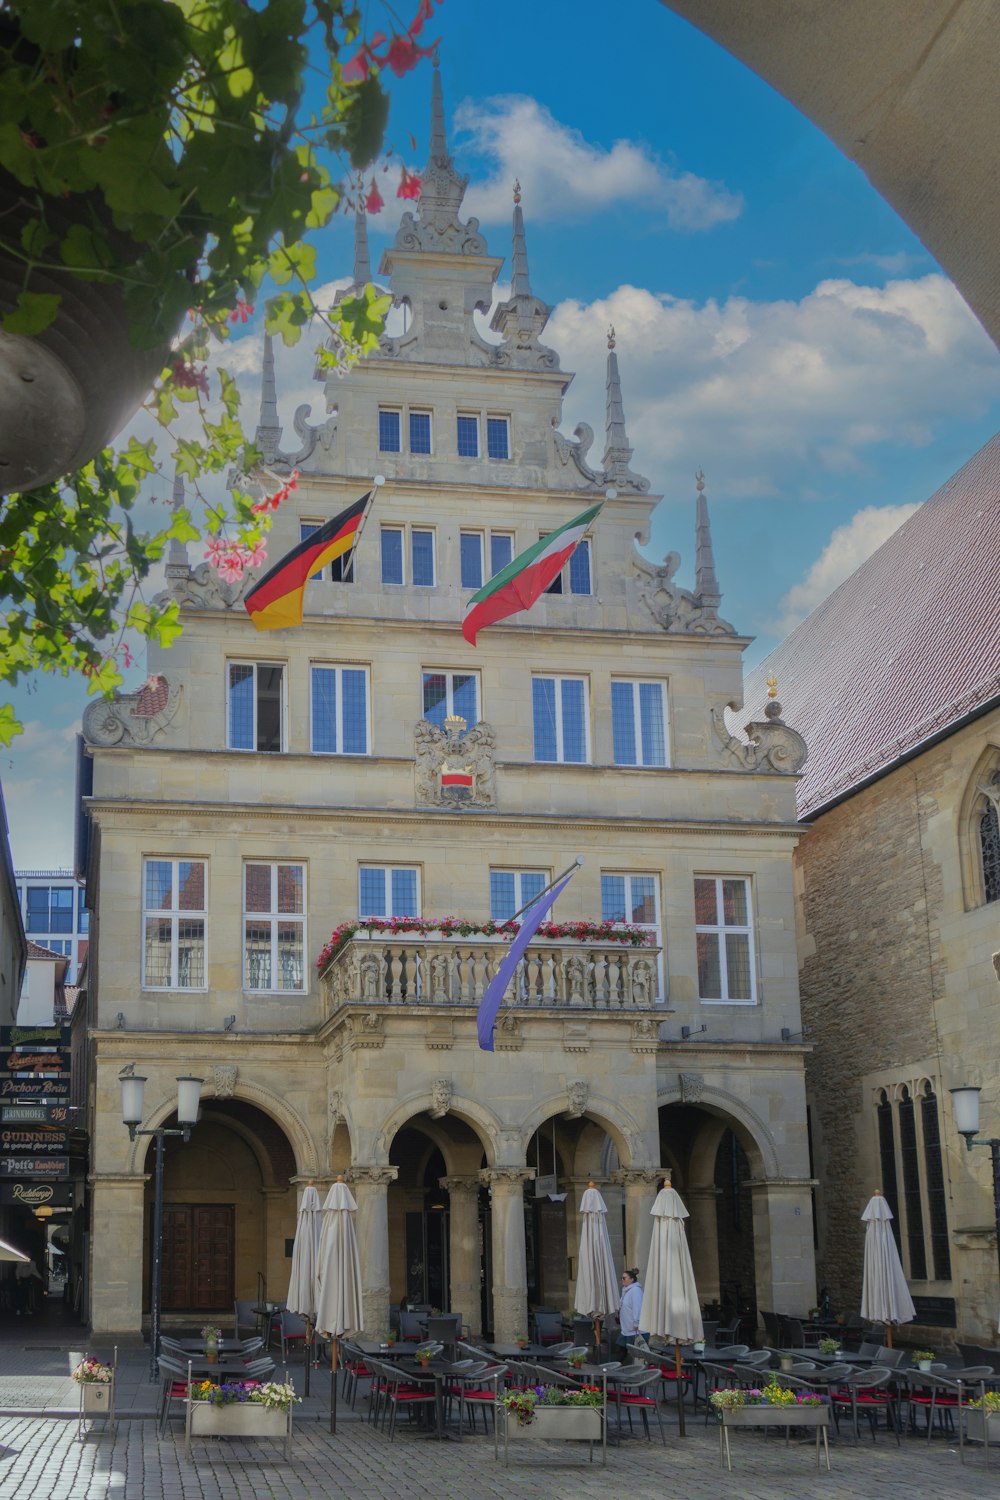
point(54, 914)
point(898, 676)
point(263, 790)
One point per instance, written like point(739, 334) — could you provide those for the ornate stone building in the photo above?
point(898, 676)
point(263, 789)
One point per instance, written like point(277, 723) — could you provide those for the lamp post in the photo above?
point(965, 1103)
point(188, 1100)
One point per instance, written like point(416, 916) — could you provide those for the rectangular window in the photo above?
point(576, 577)
point(422, 558)
point(339, 710)
point(256, 706)
point(420, 432)
point(910, 1162)
point(498, 437)
point(174, 919)
point(725, 940)
point(511, 890)
point(50, 909)
point(392, 554)
point(388, 431)
point(634, 899)
point(637, 725)
point(447, 693)
point(559, 709)
point(388, 891)
point(82, 915)
point(471, 544)
point(501, 551)
point(341, 569)
point(468, 437)
point(274, 927)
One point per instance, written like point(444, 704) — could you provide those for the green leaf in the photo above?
point(180, 528)
point(10, 724)
point(287, 315)
point(362, 318)
point(365, 119)
point(33, 312)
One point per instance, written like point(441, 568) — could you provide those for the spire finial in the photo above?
point(520, 282)
point(362, 263)
point(611, 335)
point(706, 585)
point(772, 686)
point(268, 435)
point(517, 191)
point(617, 450)
point(439, 141)
point(177, 553)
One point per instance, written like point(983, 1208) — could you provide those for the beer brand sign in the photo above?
point(34, 1114)
point(36, 1194)
point(49, 1167)
point(33, 1140)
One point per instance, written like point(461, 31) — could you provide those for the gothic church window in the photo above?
point(989, 848)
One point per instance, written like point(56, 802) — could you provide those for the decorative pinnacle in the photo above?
point(611, 336)
point(772, 686)
point(517, 191)
point(362, 262)
point(706, 584)
point(439, 141)
point(699, 481)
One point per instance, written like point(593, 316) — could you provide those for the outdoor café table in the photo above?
point(861, 1361)
point(438, 1371)
point(226, 1367)
point(531, 1353)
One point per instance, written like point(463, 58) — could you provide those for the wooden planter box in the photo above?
point(556, 1424)
point(240, 1419)
point(774, 1416)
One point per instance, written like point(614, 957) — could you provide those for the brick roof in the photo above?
point(904, 648)
point(35, 950)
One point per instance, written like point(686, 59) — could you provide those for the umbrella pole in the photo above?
point(307, 1345)
point(333, 1385)
point(597, 1339)
point(888, 1335)
point(681, 1429)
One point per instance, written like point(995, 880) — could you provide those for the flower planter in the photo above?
point(556, 1424)
point(237, 1419)
point(97, 1399)
point(67, 391)
point(979, 1431)
point(774, 1416)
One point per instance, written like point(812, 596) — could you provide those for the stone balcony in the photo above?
point(421, 969)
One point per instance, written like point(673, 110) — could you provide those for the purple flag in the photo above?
point(530, 922)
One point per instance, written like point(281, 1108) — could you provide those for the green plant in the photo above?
point(988, 1402)
point(274, 1396)
point(829, 1346)
point(90, 1371)
point(728, 1400)
point(202, 142)
point(923, 1354)
point(524, 1403)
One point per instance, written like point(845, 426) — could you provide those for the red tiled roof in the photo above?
point(35, 950)
point(904, 648)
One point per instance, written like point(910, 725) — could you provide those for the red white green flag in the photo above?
point(524, 580)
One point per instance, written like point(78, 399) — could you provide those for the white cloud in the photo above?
point(564, 176)
point(895, 265)
point(768, 397)
point(846, 550)
point(39, 778)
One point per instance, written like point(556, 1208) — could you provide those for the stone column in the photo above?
point(510, 1270)
point(640, 1185)
point(703, 1235)
point(116, 1254)
point(463, 1249)
point(370, 1186)
point(784, 1261)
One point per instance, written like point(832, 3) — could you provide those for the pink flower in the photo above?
point(185, 374)
point(374, 202)
point(241, 312)
point(410, 185)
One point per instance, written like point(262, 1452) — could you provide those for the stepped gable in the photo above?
point(904, 649)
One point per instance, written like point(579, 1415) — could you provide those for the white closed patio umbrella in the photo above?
point(10, 1252)
point(301, 1297)
point(885, 1296)
point(338, 1278)
point(596, 1280)
point(671, 1308)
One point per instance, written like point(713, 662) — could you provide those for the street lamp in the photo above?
point(188, 1100)
point(965, 1104)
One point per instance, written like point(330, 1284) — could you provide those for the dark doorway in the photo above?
point(198, 1247)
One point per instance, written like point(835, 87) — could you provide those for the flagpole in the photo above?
point(377, 481)
point(539, 894)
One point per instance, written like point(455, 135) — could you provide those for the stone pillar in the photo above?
point(117, 1235)
point(370, 1186)
point(783, 1243)
point(703, 1236)
point(640, 1185)
point(270, 1253)
point(510, 1270)
point(463, 1249)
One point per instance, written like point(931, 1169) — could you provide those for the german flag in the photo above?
point(275, 602)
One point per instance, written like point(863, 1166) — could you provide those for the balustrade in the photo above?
point(418, 970)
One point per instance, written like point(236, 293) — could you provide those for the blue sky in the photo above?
point(778, 326)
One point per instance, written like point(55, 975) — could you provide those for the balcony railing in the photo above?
point(421, 970)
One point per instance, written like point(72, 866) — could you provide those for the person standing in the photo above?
point(23, 1274)
point(630, 1310)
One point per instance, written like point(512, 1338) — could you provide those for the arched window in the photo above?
point(937, 1202)
point(911, 1186)
point(887, 1159)
point(989, 850)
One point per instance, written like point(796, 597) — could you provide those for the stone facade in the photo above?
point(372, 1066)
point(899, 993)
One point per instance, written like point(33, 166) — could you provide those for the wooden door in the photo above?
point(197, 1270)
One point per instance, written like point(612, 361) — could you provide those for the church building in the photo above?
point(267, 791)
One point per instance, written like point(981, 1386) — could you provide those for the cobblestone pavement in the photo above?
point(41, 1458)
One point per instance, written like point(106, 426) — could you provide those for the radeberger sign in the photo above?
point(36, 1194)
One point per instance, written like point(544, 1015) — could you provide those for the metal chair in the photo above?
point(401, 1390)
point(475, 1387)
point(889, 1359)
point(938, 1393)
point(291, 1329)
point(173, 1388)
point(411, 1327)
point(731, 1351)
point(630, 1391)
point(868, 1350)
point(245, 1317)
point(866, 1391)
point(548, 1328)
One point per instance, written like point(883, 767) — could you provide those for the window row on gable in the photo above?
point(340, 712)
point(273, 940)
point(408, 558)
point(478, 434)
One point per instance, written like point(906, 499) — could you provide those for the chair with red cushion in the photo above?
point(174, 1388)
point(937, 1393)
point(476, 1387)
point(866, 1393)
point(402, 1391)
point(630, 1390)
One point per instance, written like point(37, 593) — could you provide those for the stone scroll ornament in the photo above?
point(453, 767)
point(770, 745)
point(132, 718)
